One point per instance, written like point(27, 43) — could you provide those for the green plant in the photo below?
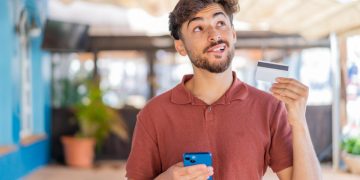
point(351, 145)
point(95, 119)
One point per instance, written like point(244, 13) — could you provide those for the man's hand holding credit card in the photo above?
point(267, 71)
point(292, 92)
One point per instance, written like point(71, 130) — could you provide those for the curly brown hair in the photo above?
point(185, 9)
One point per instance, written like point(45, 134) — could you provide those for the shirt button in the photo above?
point(209, 109)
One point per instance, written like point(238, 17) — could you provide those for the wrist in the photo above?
point(158, 178)
point(299, 125)
point(163, 176)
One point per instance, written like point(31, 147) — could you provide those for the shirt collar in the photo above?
point(237, 91)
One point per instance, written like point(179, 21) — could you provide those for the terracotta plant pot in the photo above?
point(352, 162)
point(79, 152)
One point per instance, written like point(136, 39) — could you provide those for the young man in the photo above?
point(245, 129)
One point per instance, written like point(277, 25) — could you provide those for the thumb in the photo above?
point(179, 164)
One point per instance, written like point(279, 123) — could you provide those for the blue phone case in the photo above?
point(194, 158)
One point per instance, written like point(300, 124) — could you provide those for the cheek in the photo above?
point(194, 46)
point(230, 36)
point(228, 30)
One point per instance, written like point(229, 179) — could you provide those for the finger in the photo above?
point(291, 87)
point(202, 176)
point(291, 81)
point(189, 170)
point(201, 173)
point(179, 164)
point(211, 170)
point(206, 175)
point(285, 92)
point(198, 174)
point(284, 99)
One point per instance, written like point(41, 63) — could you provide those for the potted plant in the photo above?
point(351, 153)
point(96, 121)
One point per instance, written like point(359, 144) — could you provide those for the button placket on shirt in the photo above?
point(209, 113)
point(209, 121)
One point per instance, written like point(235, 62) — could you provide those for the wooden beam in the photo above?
point(343, 80)
point(245, 40)
point(335, 71)
point(151, 57)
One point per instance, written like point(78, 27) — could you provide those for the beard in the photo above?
point(216, 67)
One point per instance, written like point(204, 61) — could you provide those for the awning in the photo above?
point(313, 19)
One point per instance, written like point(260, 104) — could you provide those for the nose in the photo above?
point(214, 36)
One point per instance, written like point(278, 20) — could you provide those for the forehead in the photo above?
point(209, 10)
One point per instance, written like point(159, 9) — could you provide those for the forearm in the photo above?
point(305, 163)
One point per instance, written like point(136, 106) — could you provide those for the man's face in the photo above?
point(208, 39)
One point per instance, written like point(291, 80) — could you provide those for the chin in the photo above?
point(217, 58)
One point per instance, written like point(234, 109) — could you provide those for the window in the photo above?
point(315, 73)
point(26, 92)
point(124, 78)
point(170, 69)
point(353, 83)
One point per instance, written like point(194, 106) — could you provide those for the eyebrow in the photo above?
point(201, 18)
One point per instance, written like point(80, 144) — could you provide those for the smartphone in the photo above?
point(194, 158)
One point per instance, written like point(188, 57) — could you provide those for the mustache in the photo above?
point(216, 43)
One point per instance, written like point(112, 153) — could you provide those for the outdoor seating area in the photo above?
point(77, 75)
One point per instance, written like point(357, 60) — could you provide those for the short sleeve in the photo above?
point(144, 160)
point(281, 149)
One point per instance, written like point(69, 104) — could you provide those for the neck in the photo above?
point(209, 87)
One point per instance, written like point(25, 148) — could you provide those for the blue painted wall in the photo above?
point(24, 159)
point(6, 56)
point(41, 67)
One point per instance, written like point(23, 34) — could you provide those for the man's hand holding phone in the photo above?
point(179, 172)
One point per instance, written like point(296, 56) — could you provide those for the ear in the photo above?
point(234, 34)
point(180, 48)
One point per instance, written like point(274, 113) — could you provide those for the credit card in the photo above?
point(267, 71)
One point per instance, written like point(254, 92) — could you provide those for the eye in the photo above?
point(197, 29)
point(221, 23)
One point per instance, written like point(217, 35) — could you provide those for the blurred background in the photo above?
point(84, 68)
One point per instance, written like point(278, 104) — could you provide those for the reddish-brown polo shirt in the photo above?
point(246, 131)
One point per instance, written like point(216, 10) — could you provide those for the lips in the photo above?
point(217, 48)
